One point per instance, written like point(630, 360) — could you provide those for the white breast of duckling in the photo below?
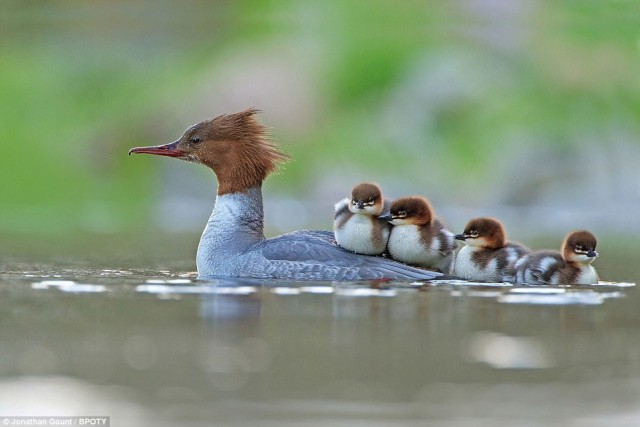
point(467, 268)
point(362, 235)
point(406, 245)
point(586, 276)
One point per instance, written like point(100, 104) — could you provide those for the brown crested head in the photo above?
point(579, 246)
point(367, 192)
point(489, 231)
point(366, 195)
point(236, 146)
point(411, 210)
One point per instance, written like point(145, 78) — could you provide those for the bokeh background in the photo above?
point(525, 110)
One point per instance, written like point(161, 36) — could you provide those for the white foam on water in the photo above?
point(286, 291)
point(536, 290)
point(317, 289)
point(469, 283)
point(569, 298)
point(69, 286)
point(179, 281)
point(476, 294)
point(366, 292)
point(615, 284)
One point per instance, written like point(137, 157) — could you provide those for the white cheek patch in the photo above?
point(399, 221)
point(583, 258)
point(475, 241)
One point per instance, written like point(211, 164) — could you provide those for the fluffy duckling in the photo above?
point(356, 225)
point(418, 237)
point(487, 255)
point(571, 266)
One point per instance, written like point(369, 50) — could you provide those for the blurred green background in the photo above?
point(526, 110)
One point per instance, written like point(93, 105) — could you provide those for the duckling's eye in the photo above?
point(402, 214)
point(194, 140)
point(579, 248)
point(370, 200)
point(473, 233)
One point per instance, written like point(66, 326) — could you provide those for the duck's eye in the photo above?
point(370, 200)
point(194, 140)
point(402, 214)
point(579, 248)
point(473, 233)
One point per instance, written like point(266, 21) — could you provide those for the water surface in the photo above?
point(135, 337)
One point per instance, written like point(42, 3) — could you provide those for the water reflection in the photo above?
point(66, 396)
point(149, 347)
point(505, 352)
point(229, 306)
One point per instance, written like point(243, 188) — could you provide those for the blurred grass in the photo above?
point(80, 83)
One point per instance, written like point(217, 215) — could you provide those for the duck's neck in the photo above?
point(235, 223)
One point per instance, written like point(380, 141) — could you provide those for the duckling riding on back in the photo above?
point(356, 224)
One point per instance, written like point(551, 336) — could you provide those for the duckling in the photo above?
point(570, 266)
point(356, 225)
point(487, 255)
point(418, 237)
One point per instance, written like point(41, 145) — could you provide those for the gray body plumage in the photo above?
point(233, 245)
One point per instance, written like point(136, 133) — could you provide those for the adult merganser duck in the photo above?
point(571, 266)
point(237, 148)
point(356, 224)
point(418, 237)
point(487, 255)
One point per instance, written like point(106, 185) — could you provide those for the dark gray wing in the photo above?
point(342, 214)
point(446, 237)
point(520, 249)
point(341, 208)
point(316, 251)
point(507, 258)
point(541, 276)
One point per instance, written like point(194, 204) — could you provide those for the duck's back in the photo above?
point(314, 255)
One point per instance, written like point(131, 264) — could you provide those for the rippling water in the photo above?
point(156, 347)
